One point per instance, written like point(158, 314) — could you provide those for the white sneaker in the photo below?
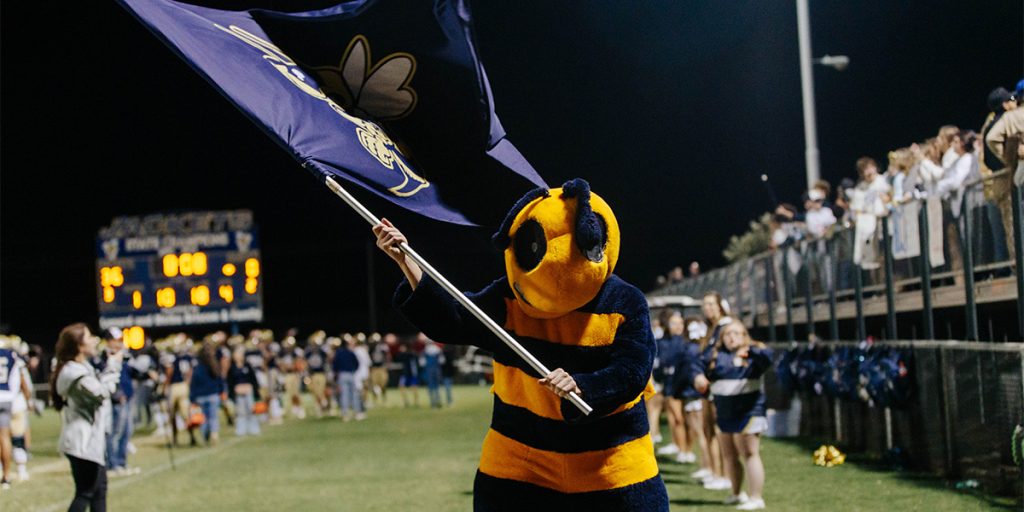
point(757, 504)
point(736, 499)
point(22, 473)
point(717, 484)
point(686, 458)
point(656, 438)
point(701, 474)
point(668, 449)
point(360, 416)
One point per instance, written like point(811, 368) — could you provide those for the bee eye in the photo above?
point(529, 245)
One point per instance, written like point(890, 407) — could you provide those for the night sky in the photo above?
point(672, 110)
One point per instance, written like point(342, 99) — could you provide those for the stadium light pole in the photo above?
point(838, 62)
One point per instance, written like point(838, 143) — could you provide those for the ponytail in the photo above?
point(68, 347)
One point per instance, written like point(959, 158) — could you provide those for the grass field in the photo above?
point(424, 460)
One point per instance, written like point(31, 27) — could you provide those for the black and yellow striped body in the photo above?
point(540, 450)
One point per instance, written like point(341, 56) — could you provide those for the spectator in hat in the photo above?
point(998, 188)
point(1009, 123)
point(817, 217)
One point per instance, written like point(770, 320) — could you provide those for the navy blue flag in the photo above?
point(386, 94)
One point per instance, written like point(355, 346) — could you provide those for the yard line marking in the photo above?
point(117, 484)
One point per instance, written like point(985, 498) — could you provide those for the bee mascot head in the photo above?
point(560, 246)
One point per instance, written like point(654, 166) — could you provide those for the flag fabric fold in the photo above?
point(389, 95)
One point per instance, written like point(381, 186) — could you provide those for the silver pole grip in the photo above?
point(456, 293)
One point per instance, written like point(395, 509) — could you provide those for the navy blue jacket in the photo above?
point(244, 374)
point(345, 361)
point(205, 382)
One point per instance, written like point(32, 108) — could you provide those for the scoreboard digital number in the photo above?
point(172, 270)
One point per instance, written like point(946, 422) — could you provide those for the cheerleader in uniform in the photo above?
point(733, 373)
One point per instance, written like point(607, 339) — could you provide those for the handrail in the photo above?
point(828, 236)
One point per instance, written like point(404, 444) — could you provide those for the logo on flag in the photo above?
point(385, 94)
point(376, 90)
point(370, 97)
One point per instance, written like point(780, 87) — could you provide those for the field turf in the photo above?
point(423, 459)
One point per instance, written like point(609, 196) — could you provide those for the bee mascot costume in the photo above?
point(564, 305)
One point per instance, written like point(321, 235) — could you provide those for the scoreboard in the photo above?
point(179, 269)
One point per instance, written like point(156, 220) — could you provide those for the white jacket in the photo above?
point(83, 430)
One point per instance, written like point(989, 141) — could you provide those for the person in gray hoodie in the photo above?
point(79, 393)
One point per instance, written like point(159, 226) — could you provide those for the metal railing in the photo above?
point(912, 262)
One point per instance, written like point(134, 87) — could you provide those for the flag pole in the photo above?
point(455, 293)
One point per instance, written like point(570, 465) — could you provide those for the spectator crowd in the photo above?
point(959, 173)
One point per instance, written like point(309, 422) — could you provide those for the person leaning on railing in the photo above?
point(1004, 139)
point(1013, 155)
point(997, 186)
point(868, 204)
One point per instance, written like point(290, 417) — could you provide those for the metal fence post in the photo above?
point(808, 295)
point(858, 295)
point(964, 228)
point(833, 264)
point(739, 292)
point(753, 293)
point(1018, 244)
point(947, 412)
point(769, 286)
point(890, 292)
point(787, 294)
point(926, 274)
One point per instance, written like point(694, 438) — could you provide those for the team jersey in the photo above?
point(379, 355)
point(668, 350)
point(10, 374)
point(408, 361)
point(316, 360)
point(182, 365)
point(681, 386)
point(736, 383)
point(273, 352)
point(254, 357)
point(141, 364)
point(289, 357)
point(671, 350)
